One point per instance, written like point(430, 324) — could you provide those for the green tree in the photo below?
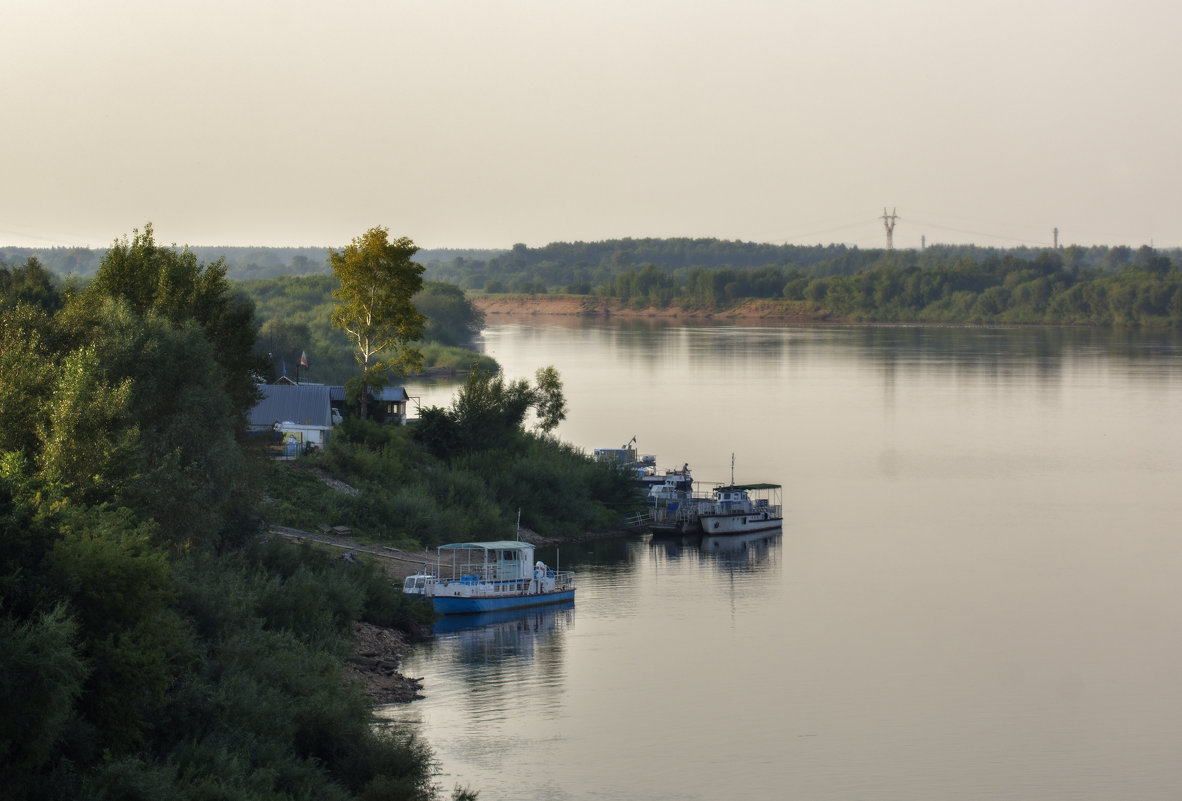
point(452, 318)
point(171, 283)
point(375, 307)
point(489, 413)
point(121, 589)
point(141, 415)
point(28, 362)
point(41, 678)
point(549, 402)
point(31, 283)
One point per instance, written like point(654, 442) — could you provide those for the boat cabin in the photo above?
point(506, 560)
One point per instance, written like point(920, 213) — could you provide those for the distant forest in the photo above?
point(939, 284)
point(242, 263)
point(1096, 285)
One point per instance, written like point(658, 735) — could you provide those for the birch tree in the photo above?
point(374, 307)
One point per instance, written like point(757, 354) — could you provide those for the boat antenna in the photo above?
point(519, 524)
point(732, 469)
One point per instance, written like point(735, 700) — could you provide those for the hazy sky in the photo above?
point(484, 124)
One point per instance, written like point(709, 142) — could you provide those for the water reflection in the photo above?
point(653, 344)
point(732, 552)
point(497, 664)
point(743, 551)
point(511, 634)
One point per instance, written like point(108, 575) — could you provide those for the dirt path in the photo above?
point(398, 563)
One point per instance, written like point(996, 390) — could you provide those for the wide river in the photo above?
point(977, 593)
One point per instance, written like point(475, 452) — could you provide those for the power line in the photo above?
point(980, 233)
point(846, 227)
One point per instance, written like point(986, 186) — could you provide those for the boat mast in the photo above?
point(732, 470)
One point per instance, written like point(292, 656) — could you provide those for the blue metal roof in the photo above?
point(302, 404)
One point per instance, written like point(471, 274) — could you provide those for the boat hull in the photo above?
point(449, 624)
point(722, 525)
point(460, 605)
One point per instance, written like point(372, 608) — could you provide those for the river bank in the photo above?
point(784, 311)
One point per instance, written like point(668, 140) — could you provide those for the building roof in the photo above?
point(391, 395)
point(303, 404)
point(387, 394)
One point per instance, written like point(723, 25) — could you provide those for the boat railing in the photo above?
point(474, 574)
point(489, 585)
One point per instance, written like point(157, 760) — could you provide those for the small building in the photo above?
point(389, 405)
point(386, 405)
point(300, 414)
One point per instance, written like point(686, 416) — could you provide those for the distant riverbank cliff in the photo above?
point(586, 306)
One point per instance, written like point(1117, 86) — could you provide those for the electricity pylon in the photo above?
point(888, 222)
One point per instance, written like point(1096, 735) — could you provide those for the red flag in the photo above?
point(304, 358)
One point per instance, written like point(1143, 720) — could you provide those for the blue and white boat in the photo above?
point(470, 577)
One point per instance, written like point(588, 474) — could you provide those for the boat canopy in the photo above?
point(751, 487)
point(500, 545)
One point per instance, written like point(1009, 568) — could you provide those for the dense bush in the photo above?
point(150, 646)
point(433, 483)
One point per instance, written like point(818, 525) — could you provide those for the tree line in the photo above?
point(1006, 289)
point(1146, 292)
point(241, 263)
point(681, 268)
point(941, 284)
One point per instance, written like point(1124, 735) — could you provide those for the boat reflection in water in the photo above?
point(505, 634)
point(731, 551)
point(741, 549)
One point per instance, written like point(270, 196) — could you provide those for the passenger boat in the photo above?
point(742, 509)
point(472, 577)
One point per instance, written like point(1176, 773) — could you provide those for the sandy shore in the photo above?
point(786, 311)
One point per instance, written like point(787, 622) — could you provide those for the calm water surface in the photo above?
point(975, 595)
